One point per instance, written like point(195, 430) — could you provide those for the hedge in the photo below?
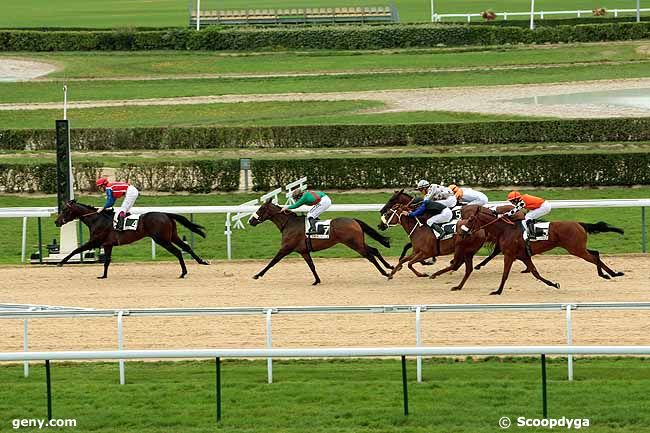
point(550, 170)
point(316, 136)
point(200, 176)
point(317, 37)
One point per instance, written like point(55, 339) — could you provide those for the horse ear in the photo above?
point(269, 200)
point(401, 191)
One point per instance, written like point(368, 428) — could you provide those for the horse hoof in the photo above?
point(315, 283)
point(182, 276)
point(205, 262)
point(455, 288)
point(619, 274)
point(389, 277)
point(556, 285)
point(605, 276)
point(256, 277)
point(59, 265)
point(432, 277)
point(103, 277)
point(496, 292)
point(477, 268)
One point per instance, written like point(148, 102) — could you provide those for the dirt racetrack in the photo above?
point(345, 282)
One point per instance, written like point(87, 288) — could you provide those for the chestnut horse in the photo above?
point(570, 235)
point(347, 231)
point(425, 244)
point(159, 226)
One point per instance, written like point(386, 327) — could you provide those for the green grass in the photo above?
point(162, 13)
point(163, 64)
point(330, 395)
point(262, 242)
point(240, 114)
point(101, 90)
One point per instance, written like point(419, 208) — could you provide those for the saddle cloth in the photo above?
point(130, 223)
point(449, 230)
point(541, 231)
point(322, 229)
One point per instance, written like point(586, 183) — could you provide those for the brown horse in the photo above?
point(161, 227)
point(347, 231)
point(570, 235)
point(425, 244)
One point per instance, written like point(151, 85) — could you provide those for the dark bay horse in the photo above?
point(347, 231)
point(425, 244)
point(570, 235)
point(159, 226)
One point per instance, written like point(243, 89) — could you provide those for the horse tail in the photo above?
point(187, 223)
point(601, 227)
point(374, 234)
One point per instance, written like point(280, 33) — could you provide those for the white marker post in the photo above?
point(532, 14)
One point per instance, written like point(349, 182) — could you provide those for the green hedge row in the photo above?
point(316, 136)
point(551, 170)
point(317, 37)
point(194, 176)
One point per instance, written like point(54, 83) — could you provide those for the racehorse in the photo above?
point(570, 235)
point(159, 226)
point(425, 244)
point(347, 231)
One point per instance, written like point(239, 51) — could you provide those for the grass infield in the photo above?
point(462, 395)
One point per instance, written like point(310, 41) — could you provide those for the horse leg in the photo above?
point(468, 271)
point(418, 257)
point(405, 249)
point(495, 252)
point(185, 247)
point(310, 263)
point(175, 251)
point(611, 272)
point(423, 262)
point(589, 256)
point(530, 266)
point(108, 252)
point(87, 246)
point(507, 265)
point(279, 256)
point(375, 252)
point(371, 258)
point(399, 265)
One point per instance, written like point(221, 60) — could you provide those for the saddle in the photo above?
point(131, 221)
point(322, 229)
point(541, 231)
point(449, 229)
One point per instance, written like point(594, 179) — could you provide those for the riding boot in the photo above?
point(120, 222)
point(437, 229)
point(312, 226)
point(530, 226)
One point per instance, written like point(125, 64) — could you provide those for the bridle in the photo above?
point(399, 218)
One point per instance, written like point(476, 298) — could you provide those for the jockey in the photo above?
point(438, 199)
point(115, 190)
point(318, 200)
point(466, 196)
point(537, 207)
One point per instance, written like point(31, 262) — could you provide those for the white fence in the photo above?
point(33, 312)
point(232, 211)
point(541, 14)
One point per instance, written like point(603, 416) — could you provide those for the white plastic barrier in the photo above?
point(541, 14)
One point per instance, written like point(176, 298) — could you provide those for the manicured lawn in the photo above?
point(156, 63)
point(165, 13)
point(330, 395)
point(262, 242)
point(100, 90)
point(249, 113)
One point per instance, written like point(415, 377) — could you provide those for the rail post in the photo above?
point(643, 232)
point(120, 343)
point(218, 387)
point(26, 345)
point(269, 345)
point(40, 242)
point(569, 340)
point(191, 232)
point(153, 249)
point(48, 382)
point(228, 233)
point(405, 387)
point(418, 343)
point(544, 402)
point(23, 249)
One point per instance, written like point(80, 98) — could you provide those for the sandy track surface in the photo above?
point(346, 282)
point(486, 100)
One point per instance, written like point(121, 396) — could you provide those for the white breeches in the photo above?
point(544, 209)
point(443, 217)
point(129, 199)
point(449, 201)
point(474, 197)
point(319, 207)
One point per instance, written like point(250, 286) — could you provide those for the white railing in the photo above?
point(230, 211)
point(35, 312)
point(541, 14)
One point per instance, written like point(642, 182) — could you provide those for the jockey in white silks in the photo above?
point(467, 196)
point(438, 195)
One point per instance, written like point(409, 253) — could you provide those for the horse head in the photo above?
point(265, 212)
point(399, 198)
point(73, 210)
